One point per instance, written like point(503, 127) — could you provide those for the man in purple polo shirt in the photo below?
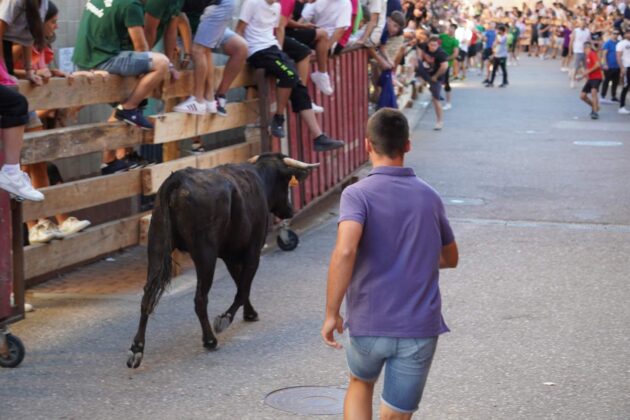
point(393, 237)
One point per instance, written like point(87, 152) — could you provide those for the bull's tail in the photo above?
point(161, 245)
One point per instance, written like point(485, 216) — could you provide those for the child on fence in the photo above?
point(45, 230)
point(257, 22)
point(210, 34)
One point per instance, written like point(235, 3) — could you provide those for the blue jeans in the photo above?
point(128, 63)
point(407, 362)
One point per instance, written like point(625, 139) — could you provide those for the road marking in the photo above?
point(592, 125)
point(597, 227)
point(598, 143)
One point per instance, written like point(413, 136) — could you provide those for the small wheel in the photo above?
point(16, 352)
point(288, 240)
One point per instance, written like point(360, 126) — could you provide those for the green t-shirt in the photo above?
point(103, 30)
point(165, 10)
point(449, 44)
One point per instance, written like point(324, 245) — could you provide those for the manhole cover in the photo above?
point(461, 201)
point(308, 400)
point(597, 143)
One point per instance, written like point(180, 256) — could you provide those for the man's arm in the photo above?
point(336, 37)
point(185, 31)
point(454, 55)
point(618, 55)
point(139, 41)
point(449, 257)
point(240, 28)
point(151, 24)
point(339, 276)
point(369, 28)
point(440, 72)
point(280, 30)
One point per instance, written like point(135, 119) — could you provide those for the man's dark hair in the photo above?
point(434, 38)
point(388, 132)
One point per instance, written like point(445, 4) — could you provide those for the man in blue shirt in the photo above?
point(611, 68)
point(489, 37)
point(393, 238)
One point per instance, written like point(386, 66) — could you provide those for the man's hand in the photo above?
point(33, 78)
point(332, 323)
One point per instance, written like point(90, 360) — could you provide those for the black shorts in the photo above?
point(295, 49)
point(472, 50)
point(487, 53)
point(278, 64)
point(565, 51)
point(305, 36)
point(461, 56)
point(13, 108)
point(590, 85)
point(534, 41)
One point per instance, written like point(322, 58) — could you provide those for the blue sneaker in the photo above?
point(133, 117)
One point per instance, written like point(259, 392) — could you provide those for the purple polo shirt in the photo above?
point(394, 290)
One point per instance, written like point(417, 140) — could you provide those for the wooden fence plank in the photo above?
point(65, 198)
point(43, 146)
point(93, 242)
point(154, 176)
point(184, 86)
point(173, 126)
point(237, 153)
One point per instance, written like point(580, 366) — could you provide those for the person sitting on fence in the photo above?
point(45, 230)
point(103, 43)
point(213, 33)
point(257, 22)
point(13, 119)
point(333, 16)
point(376, 24)
point(310, 35)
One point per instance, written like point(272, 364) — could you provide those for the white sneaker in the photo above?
point(20, 185)
point(605, 101)
point(191, 106)
point(572, 84)
point(316, 108)
point(28, 307)
point(73, 225)
point(211, 107)
point(438, 126)
point(43, 232)
point(322, 81)
point(447, 106)
point(623, 111)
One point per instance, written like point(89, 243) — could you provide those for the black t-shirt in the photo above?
point(432, 60)
point(198, 6)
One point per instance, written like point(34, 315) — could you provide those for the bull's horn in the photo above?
point(254, 159)
point(297, 164)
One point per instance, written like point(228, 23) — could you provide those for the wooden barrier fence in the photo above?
point(42, 259)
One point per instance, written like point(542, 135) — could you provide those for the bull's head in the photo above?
point(278, 172)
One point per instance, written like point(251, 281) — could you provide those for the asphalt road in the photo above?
point(538, 307)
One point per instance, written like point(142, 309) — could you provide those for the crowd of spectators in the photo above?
point(434, 41)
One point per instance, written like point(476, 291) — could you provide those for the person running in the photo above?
point(579, 36)
point(623, 60)
point(612, 72)
point(393, 238)
point(534, 38)
point(450, 45)
point(566, 43)
point(500, 59)
point(432, 66)
point(594, 75)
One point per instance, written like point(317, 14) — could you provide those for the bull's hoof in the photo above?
point(253, 317)
point(211, 344)
point(221, 323)
point(134, 359)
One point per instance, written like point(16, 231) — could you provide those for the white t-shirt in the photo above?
point(377, 6)
point(581, 36)
point(463, 35)
point(13, 13)
point(329, 15)
point(261, 18)
point(624, 48)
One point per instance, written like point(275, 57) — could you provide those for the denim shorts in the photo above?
point(407, 362)
point(213, 23)
point(128, 63)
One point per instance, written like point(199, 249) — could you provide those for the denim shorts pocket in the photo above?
point(425, 349)
point(363, 345)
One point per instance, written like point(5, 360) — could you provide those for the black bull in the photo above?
point(215, 213)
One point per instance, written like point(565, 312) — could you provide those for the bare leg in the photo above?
point(13, 138)
point(438, 109)
point(595, 100)
point(586, 99)
point(236, 48)
point(148, 82)
point(389, 414)
point(209, 89)
point(308, 116)
point(282, 99)
point(303, 68)
point(321, 50)
point(358, 402)
point(200, 71)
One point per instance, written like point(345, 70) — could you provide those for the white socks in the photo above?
point(11, 169)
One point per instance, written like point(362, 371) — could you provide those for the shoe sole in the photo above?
point(327, 149)
point(181, 111)
point(125, 120)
